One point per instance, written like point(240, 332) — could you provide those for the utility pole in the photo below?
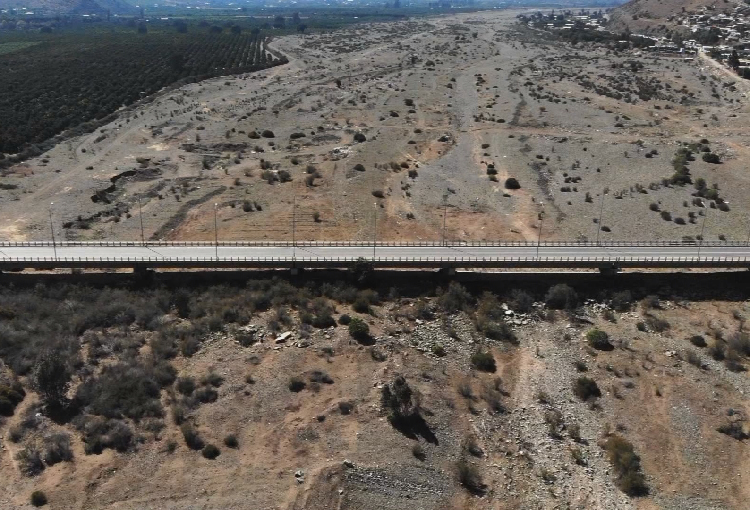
point(703, 228)
point(375, 233)
point(52, 229)
point(140, 214)
point(216, 231)
point(601, 213)
point(294, 221)
point(541, 224)
point(445, 214)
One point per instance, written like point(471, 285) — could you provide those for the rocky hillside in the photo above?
point(650, 16)
point(326, 395)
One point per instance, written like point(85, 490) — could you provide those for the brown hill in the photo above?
point(657, 15)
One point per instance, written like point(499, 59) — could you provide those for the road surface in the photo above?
point(547, 255)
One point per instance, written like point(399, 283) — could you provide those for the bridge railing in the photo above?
point(384, 261)
point(385, 244)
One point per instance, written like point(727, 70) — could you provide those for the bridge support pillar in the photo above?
point(142, 271)
point(448, 271)
point(609, 270)
point(294, 271)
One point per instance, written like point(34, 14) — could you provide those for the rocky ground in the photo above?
point(391, 125)
point(534, 443)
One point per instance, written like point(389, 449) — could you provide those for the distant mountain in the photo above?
point(71, 6)
point(656, 15)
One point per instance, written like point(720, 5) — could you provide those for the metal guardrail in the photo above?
point(393, 244)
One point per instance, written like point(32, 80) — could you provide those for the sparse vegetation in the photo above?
point(359, 330)
point(627, 466)
point(470, 478)
point(192, 438)
point(484, 361)
point(599, 340)
point(210, 451)
point(38, 498)
point(586, 389)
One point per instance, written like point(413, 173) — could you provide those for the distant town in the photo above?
point(724, 37)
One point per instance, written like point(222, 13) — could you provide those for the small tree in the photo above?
point(52, 380)
point(400, 402)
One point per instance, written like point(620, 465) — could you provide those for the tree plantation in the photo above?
point(64, 82)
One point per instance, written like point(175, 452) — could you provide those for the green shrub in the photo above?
point(627, 466)
point(57, 448)
point(735, 430)
point(210, 452)
point(400, 402)
point(656, 324)
point(622, 301)
point(378, 355)
point(358, 329)
point(512, 183)
point(10, 396)
point(418, 452)
point(345, 319)
point(698, 341)
point(521, 301)
point(361, 306)
point(470, 478)
point(296, 384)
point(124, 389)
point(586, 389)
point(192, 438)
point(599, 339)
point(484, 361)
point(561, 297)
point(29, 461)
point(230, 441)
point(499, 331)
point(189, 345)
point(38, 498)
point(710, 157)
point(345, 407)
point(318, 376)
point(456, 298)
point(212, 379)
point(186, 385)
point(206, 394)
point(438, 350)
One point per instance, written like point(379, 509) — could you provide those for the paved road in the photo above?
point(208, 255)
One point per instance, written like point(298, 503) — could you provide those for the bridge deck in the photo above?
point(46, 255)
